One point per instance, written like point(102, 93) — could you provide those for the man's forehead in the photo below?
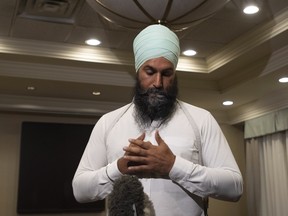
point(159, 63)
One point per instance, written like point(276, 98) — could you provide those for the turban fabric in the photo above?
point(153, 42)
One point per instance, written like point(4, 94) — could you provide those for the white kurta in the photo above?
point(219, 176)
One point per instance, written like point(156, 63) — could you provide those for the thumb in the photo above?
point(158, 138)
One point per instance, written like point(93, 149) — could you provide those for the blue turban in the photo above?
point(153, 42)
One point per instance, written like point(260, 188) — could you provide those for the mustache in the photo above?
point(147, 92)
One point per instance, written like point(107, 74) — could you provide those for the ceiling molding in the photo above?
point(56, 105)
point(277, 60)
point(259, 107)
point(249, 41)
point(64, 51)
point(195, 65)
point(264, 66)
point(85, 54)
point(97, 108)
point(66, 73)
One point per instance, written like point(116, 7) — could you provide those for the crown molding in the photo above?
point(85, 54)
point(64, 51)
point(56, 105)
point(275, 62)
point(249, 41)
point(192, 65)
point(267, 104)
point(66, 73)
point(46, 105)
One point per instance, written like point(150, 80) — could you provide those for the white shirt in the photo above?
point(218, 177)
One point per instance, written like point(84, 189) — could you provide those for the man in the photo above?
point(177, 150)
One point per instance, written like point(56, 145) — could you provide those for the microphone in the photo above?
point(128, 198)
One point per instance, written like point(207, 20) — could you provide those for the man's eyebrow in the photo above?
point(149, 67)
point(167, 69)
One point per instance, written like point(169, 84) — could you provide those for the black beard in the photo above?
point(154, 103)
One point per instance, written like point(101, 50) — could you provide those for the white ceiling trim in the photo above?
point(97, 108)
point(65, 73)
point(277, 60)
point(85, 54)
point(259, 107)
point(63, 51)
point(247, 42)
point(54, 105)
point(195, 65)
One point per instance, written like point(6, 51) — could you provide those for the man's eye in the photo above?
point(149, 71)
point(167, 73)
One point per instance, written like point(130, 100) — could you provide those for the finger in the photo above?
point(138, 168)
point(141, 137)
point(158, 138)
point(139, 160)
point(139, 143)
point(135, 150)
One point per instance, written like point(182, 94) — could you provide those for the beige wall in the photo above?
point(10, 130)
point(235, 137)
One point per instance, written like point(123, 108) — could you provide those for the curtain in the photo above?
point(267, 124)
point(267, 174)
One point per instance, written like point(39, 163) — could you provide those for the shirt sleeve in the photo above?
point(94, 177)
point(219, 175)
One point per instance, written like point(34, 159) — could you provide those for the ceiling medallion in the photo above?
point(178, 15)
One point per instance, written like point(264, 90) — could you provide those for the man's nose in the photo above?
point(158, 83)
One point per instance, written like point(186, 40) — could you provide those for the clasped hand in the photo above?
point(145, 159)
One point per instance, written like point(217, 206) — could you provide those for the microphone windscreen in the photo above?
point(127, 197)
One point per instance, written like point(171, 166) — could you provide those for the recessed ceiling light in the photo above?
point(93, 42)
point(228, 103)
point(96, 93)
point(31, 88)
point(189, 52)
point(251, 9)
point(283, 80)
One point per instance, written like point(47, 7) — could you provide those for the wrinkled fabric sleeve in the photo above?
point(93, 179)
point(219, 175)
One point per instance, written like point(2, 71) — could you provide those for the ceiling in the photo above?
point(240, 58)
